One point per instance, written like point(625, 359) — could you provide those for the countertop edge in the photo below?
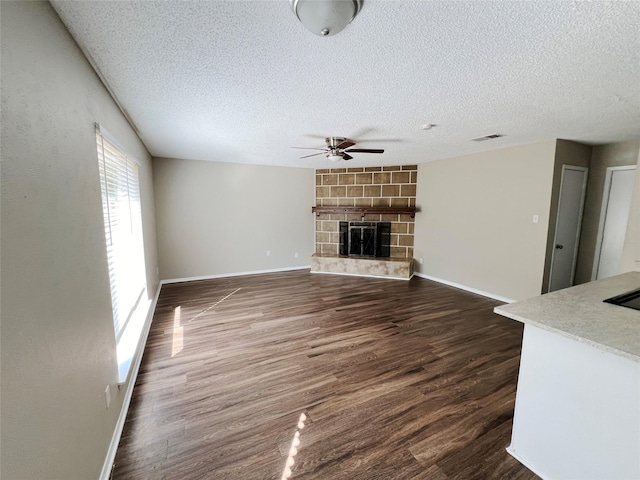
point(598, 345)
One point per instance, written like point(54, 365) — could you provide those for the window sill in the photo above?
point(129, 342)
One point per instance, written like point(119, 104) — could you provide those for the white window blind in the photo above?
point(123, 228)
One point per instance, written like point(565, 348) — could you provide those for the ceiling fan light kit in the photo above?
point(325, 17)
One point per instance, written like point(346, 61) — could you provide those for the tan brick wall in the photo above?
point(366, 187)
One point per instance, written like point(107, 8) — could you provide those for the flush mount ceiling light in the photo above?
point(326, 17)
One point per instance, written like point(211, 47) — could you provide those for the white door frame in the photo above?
point(603, 215)
point(579, 227)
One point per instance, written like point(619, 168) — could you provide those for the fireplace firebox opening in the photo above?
point(365, 239)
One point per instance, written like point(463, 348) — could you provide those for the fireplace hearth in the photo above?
point(365, 239)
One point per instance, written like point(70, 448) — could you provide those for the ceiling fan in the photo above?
point(338, 148)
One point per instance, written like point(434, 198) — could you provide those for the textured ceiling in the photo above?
point(243, 81)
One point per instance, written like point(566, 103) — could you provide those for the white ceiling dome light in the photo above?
point(326, 17)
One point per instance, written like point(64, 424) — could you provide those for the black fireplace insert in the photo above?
point(365, 239)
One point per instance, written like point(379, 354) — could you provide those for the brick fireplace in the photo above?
point(392, 186)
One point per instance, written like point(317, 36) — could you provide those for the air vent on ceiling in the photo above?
point(487, 137)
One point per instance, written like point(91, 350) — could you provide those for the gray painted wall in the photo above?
point(58, 346)
point(218, 218)
point(475, 225)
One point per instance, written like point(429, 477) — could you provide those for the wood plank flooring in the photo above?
point(397, 380)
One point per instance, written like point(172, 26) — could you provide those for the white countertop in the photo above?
point(580, 313)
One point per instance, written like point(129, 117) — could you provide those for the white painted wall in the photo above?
point(218, 218)
point(577, 412)
point(475, 225)
point(631, 250)
point(58, 347)
point(604, 156)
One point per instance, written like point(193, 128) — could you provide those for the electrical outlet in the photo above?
point(268, 253)
point(420, 261)
point(107, 396)
point(535, 219)
point(295, 255)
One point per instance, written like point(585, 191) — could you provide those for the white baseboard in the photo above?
point(363, 275)
point(105, 474)
point(526, 464)
point(236, 274)
point(464, 287)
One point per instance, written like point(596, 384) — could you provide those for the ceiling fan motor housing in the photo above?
point(333, 142)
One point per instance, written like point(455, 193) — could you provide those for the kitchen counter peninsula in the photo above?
point(577, 412)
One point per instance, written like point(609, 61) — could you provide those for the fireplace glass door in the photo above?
point(365, 239)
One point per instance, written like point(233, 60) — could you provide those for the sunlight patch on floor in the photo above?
point(178, 341)
point(295, 443)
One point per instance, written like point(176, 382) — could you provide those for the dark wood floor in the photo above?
point(397, 380)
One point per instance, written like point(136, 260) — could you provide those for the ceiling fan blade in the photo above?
point(308, 148)
point(311, 135)
point(313, 155)
point(345, 144)
point(346, 156)
point(365, 150)
point(362, 132)
point(379, 140)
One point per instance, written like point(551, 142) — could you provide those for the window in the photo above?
point(124, 241)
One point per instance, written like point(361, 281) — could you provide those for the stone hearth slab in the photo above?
point(396, 268)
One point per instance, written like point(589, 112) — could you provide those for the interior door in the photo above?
point(616, 203)
point(563, 261)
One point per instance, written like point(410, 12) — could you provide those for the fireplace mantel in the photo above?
point(362, 211)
